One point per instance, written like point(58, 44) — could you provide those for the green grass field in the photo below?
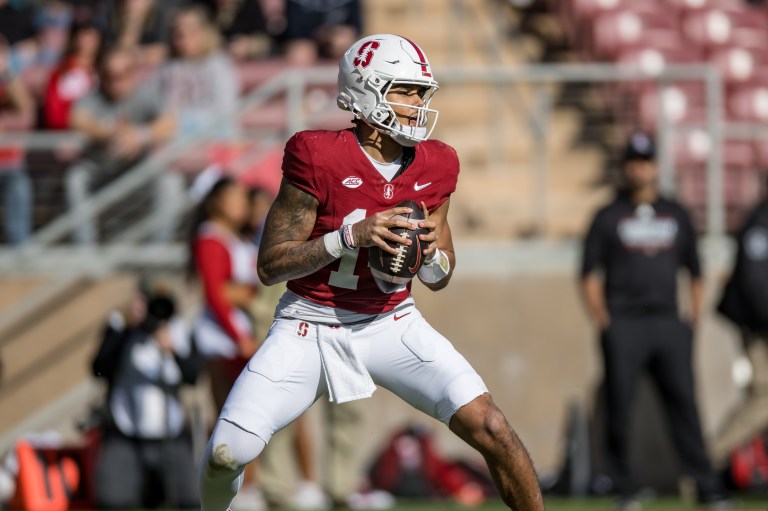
point(558, 504)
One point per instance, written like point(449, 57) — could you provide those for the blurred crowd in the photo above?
point(132, 75)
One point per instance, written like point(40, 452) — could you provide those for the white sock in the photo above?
point(221, 469)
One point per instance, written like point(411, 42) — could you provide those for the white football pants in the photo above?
point(401, 352)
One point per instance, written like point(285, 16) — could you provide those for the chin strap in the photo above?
point(435, 269)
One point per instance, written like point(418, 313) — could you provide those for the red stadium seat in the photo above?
point(739, 64)
point(741, 188)
point(689, 5)
point(694, 150)
point(748, 103)
point(653, 60)
point(579, 15)
point(680, 102)
point(715, 28)
point(761, 155)
point(619, 31)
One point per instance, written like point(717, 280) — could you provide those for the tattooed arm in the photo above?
point(285, 253)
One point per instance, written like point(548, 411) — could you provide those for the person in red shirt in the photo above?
point(225, 264)
point(338, 330)
point(74, 77)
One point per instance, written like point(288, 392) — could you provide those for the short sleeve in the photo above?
point(595, 245)
point(452, 164)
point(298, 167)
point(689, 248)
point(449, 160)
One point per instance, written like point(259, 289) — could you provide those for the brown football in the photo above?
point(391, 271)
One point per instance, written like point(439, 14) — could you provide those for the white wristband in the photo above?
point(436, 268)
point(333, 244)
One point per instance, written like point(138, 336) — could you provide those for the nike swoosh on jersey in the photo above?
point(401, 316)
point(417, 186)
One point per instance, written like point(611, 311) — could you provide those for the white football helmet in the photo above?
point(370, 68)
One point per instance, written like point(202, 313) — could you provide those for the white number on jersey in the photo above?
point(345, 276)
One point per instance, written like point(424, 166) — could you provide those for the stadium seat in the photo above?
point(761, 155)
point(741, 188)
point(653, 60)
point(690, 5)
point(619, 31)
point(739, 64)
point(748, 103)
point(680, 102)
point(711, 29)
point(578, 16)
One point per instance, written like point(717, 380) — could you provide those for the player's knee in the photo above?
point(220, 461)
point(494, 426)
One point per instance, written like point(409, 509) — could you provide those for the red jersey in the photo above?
point(331, 166)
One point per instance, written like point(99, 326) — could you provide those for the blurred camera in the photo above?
point(160, 309)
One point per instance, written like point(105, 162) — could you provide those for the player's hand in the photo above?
point(431, 236)
point(375, 230)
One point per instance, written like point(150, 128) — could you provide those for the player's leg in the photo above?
point(427, 372)
point(625, 347)
point(343, 434)
point(179, 473)
point(279, 383)
point(482, 425)
point(229, 450)
point(672, 369)
point(119, 474)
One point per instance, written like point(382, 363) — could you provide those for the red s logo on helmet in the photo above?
point(365, 54)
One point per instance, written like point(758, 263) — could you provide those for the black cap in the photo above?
point(640, 146)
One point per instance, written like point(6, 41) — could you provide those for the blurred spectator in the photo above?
point(75, 76)
point(638, 242)
point(142, 25)
point(226, 265)
point(146, 356)
point(123, 122)
point(54, 21)
point(17, 26)
point(411, 466)
point(200, 83)
point(243, 25)
point(745, 303)
point(17, 114)
point(320, 29)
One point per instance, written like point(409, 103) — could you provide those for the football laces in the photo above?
point(399, 260)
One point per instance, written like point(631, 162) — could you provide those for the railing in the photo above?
point(45, 249)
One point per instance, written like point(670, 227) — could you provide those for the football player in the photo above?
point(335, 330)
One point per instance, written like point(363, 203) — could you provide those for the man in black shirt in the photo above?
point(745, 303)
point(638, 242)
